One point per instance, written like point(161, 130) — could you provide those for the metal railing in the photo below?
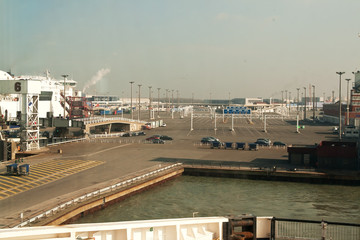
point(106, 119)
point(313, 230)
point(67, 141)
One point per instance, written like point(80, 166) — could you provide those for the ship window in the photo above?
point(45, 96)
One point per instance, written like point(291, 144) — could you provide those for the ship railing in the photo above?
point(282, 228)
point(150, 172)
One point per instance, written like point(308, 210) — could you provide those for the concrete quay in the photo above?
point(127, 157)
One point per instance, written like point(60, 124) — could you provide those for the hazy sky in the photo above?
point(249, 48)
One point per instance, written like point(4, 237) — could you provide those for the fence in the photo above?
point(67, 141)
point(313, 230)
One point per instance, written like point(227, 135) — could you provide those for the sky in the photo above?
point(236, 48)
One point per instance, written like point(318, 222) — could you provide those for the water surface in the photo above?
point(224, 196)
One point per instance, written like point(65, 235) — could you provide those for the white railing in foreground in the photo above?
point(199, 228)
point(94, 194)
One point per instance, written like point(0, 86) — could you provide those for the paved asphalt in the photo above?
point(125, 156)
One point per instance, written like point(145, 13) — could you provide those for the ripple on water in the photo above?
point(224, 196)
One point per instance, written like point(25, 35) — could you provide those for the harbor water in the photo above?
point(204, 196)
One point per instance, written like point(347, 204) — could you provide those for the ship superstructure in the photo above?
point(27, 98)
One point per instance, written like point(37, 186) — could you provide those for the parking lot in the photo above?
point(124, 156)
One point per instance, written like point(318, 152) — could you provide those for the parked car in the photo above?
point(279, 144)
point(157, 141)
point(141, 133)
point(145, 127)
point(153, 137)
point(209, 140)
point(166, 138)
point(265, 140)
point(163, 125)
point(126, 135)
point(262, 143)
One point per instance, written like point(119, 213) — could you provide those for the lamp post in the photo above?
point(172, 98)
point(282, 98)
point(64, 76)
point(297, 105)
point(289, 102)
point(229, 99)
point(150, 102)
point(167, 103)
point(340, 73)
point(313, 86)
point(347, 103)
point(131, 107)
point(139, 102)
point(177, 96)
point(304, 103)
point(158, 102)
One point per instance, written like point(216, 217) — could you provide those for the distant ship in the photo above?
point(50, 99)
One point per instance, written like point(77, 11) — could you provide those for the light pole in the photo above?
point(297, 105)
point(139, 102)
point(177, 96)
point(289, 102)
point(64, 76)
point(158, 101)
point(313, 102)
point(150, 102)
point(348, 103)
point(282, 98)
point(340, 73)
point(172, 98)
point(167, 103)
point(304, 103)
point(286, 97)
point(229, 99)
point(131, 107)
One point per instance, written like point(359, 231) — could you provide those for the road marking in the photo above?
point(42, 173)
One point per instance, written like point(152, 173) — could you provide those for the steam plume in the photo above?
point(99, 75)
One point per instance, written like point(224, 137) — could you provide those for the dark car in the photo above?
point(126, 135)
point(166, 138)
point(265, 140)
point(153, 137)
point(279, 144)
point(209, 140)
point(141, 133)
point(262, 143)
point(157, 141)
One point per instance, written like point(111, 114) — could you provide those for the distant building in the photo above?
point(326, 155)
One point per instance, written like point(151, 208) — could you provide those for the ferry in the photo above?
point(50, 97)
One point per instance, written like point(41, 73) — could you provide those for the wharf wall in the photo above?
point(273, 174)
